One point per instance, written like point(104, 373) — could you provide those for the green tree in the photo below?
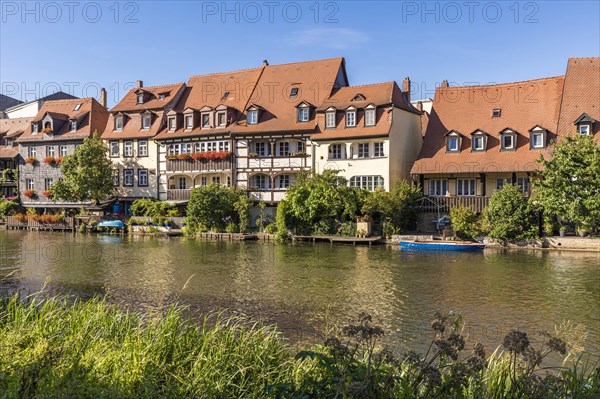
point(87, 174)
point(213, 206)
point(243, 206)
point(465, 222)
point(398, 207)
point(510, 216)
point(569, 184)
point(152, 207)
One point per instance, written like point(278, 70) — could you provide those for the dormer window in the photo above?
point(34, 128)
point(508, 140)
point(584, 129)
point(496, 112)
point(171, 123)
point(370, 117)
point(77, 107)
point(189, 122)
point(303, 114)
point(330, 119)
point(161, 96)
point(351, 118)
point(221, 118)
point(359, 97)
point(73, 125)
point(537, 137)
point(294, 92)
point(253, 117)
point(452, 142)
point(118, 123)
point(478, 141)
point(205, 120)
point(140, 98)
point(584, 124)
point(146, 121)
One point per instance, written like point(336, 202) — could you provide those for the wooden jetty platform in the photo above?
point(228, 236)
point(340, 240)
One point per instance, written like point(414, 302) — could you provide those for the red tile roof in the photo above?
point(8, 152)
point(152, 101)
point(12, 128)
point(523, 105)
point(581, 93)
point(93, 118)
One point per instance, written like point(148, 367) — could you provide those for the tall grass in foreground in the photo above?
point(55, 349)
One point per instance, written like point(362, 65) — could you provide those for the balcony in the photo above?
point(202, 165)
point(178, 194)
point(444, 204)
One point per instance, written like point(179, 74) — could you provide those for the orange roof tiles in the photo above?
point(523, 105)
point(14, 127)
point(152, 101)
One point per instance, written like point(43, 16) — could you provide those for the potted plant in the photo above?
point(29, 193)
point(562, 230)
point(47, 194)
point(31, 160)
point(584, 230)
point(50, 160)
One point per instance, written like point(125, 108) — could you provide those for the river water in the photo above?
point(305, 289)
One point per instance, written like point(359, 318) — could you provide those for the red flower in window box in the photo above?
point(21, 217)
point(47, 130)
point(31, 160)
point(58, 160)
point(50, 160)
point(29, 193)
point(184, 157)
point(197, 156)
point(47, 194)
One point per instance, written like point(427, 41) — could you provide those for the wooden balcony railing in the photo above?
point(178, 194)
point(444, 204)
point(203, 165)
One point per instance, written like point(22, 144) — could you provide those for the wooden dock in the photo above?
point(228, 236)
point(340, 240)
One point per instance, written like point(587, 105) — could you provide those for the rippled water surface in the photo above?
point(304, 288)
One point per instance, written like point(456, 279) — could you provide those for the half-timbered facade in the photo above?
point(10, 131)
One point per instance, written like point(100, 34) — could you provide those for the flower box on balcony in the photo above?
point(47, 194)
point(184, 157)
point(29, 193)
point(31, 160)
point(50, 160)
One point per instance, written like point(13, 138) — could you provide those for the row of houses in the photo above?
point(259, 128)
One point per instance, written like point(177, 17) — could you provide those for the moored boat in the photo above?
point(111, 223)
point(441, 246)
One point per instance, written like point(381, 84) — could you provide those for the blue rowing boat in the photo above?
point(441, 246)
point(111, 223)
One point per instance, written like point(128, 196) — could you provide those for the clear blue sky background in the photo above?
point(167, 41)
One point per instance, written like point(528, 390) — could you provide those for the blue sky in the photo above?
point(88, 45)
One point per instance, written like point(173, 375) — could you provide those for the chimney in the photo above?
point(406, 87)
point(420, 105)
point(103, 97)
point(265, 63)
point(445, 84)
point(139, 84)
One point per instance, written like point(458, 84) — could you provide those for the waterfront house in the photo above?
point(129, 134)
point(29, 109)
point(58, 127)
point(10, 131)
point(371, 134)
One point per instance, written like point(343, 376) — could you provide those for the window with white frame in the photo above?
point(508, 141)
point(182, 183)
point(140, 98)
point(261, 148)
point(335, 151)
point(478, 143)
point(537, 140)
point(47, 184)
point(128, 177)
point(72, 125)
point(300, 146)
point(303, 114)
point(438, 187)
point(363, 150)
point(283, 181)
point(369, 117)
point(50, 151)
point(378, 149)
point(189, 122)
point(186, 148)
point(63, 150)
point(143, 177)
point(283, 148)
point(34, 128)
point(171, 123)
point(252, 117)
point(115, 177)
point(146, 121)
point(205, 119)
point(452, 144)
point(211, 146)
point(523, 183)
point(583, 129)
point(29, 184)
point(118, 123)
point(350, 118)
point(502, 181)
point(142, 148)
point(203, 181)
point(77, 107)
point(128, 148)
point(197, 147)
point(114, 148)
point(261, 182)
point(465, 187)
point(32, 152)
point(367, 182)
point(330, 119)
point(216, 179)
point(221, 118)
point(173, 149)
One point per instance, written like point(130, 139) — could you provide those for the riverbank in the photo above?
point(95, 350)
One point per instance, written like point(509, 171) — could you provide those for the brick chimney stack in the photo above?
point(406, 87)
point(445, 84)
point(139, 84)
point(103, 97)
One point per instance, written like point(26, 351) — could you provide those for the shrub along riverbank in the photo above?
point(92, 349)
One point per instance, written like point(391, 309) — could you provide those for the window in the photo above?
point(189, 122)
point(261, 149)
point(478, 143)
point(216, 179)
point(438, 187)
point(465, 187)
point(146, 121)
point(283, 181)
point(378, 149)
point(537, 140)
point(29, 184)
point(452, 144)
point(115, 177)
point(128, 148)
point(203, 181)
point(370, 117)
point(335, 151)
point(367, 182)
point(303, 114)
point(143, 148)
point(330, 120)
point(523, 183)
point(140, 98)
point(363, 150)
point(210, 146)
point(73, 126)
point(252, 117)
point(50, 151)
point(128, 177)
point(350, 118)
point(114, 148)
point(118, 123)
point(161, 96)
point(34, 128)
point(496, 112)
point(508, 142)
point(32, 152)
point(584, 129)
point(77, 107)
point(206, 119)
point(143, 177)
point(197, 147)
point(283, 148)
point(221, 119)
point(294, 92)
point(47, 184)
point(63, 150)
point(261, 182)
point(173, 149)
point(300, 146)
point(182, 183)
point(171, 123)
point(501, 182)
point(186, 148)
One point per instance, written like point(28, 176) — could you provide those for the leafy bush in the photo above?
point(465, 222)
point(152, 208)
point(347, 229)
point(281, 222)
point(242, 207)
point(231, 228)
point(213, 206)
point(271, 228)
point(510, 216)
point(398, 207)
